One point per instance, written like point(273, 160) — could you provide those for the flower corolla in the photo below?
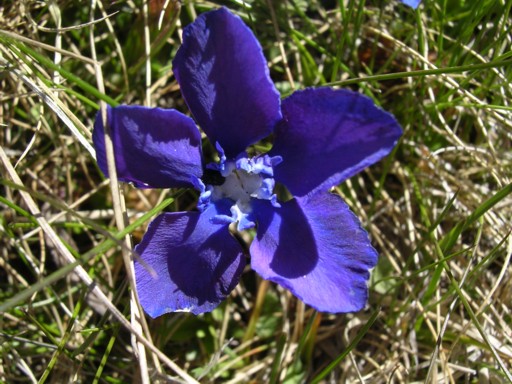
point(311, 243)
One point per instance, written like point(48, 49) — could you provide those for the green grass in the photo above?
point(438, 209)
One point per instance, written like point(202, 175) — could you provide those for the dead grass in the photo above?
point(440, 298)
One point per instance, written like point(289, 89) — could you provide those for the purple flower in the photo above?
point(312, 244)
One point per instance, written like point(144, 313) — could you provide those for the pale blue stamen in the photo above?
point(246, 179)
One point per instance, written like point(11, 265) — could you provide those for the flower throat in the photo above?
point(241, 181)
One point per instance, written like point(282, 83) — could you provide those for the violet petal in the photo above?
point(225, 81)
point(327, 136)
point(153, 147)
point(317, 249)
point(190, 263)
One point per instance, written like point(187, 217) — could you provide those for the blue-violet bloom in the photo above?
point(312, 244)
point(412, 3)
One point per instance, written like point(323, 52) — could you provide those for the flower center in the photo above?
point(245, 179)
point(239, 186)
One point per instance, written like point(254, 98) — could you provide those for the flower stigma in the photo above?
point(241, 181)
